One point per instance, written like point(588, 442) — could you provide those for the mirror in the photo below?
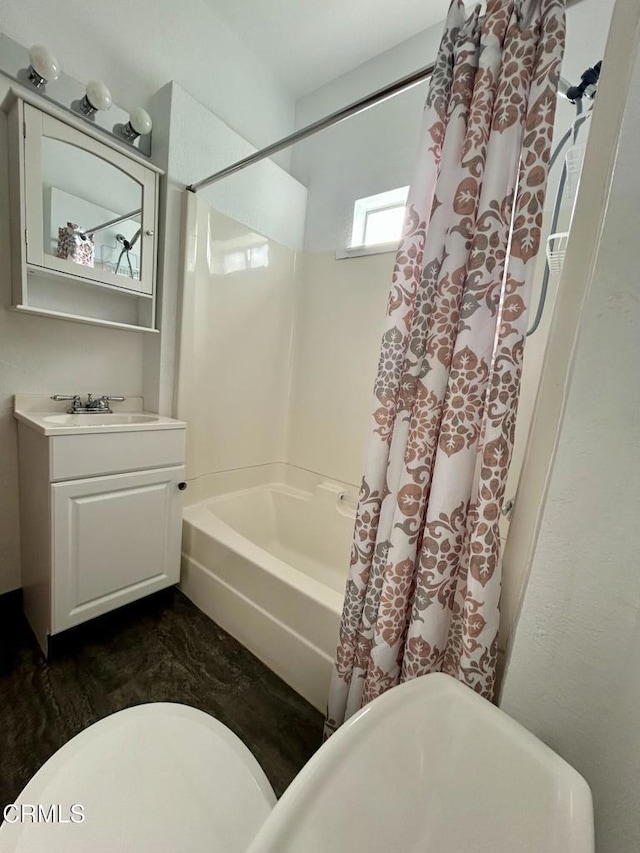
point(92, 211)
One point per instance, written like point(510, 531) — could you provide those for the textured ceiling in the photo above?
point(309, 42)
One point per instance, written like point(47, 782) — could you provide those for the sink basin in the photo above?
point(98, 420)
point(35, 411)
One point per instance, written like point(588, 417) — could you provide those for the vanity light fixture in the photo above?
point(139, 124)
point(97, 97)
point(44, 66)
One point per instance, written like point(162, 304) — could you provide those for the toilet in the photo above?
point(430, 766)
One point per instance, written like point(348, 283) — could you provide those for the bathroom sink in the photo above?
point(99, 420)
point(49, 418)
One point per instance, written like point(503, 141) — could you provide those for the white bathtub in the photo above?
point(265, 555)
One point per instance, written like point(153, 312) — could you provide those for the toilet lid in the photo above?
point(431, 767)
point(161, 777)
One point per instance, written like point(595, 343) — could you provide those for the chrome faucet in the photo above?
point(76, 405)
point(91, 407)
point(102, 403)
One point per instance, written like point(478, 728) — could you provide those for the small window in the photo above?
point(378, 219)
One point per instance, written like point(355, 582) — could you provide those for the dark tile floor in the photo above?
point(160, 649)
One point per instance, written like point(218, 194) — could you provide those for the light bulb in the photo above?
point(140, 121)
point(139, 124)
point(44, 66)
point(98, 97)
point(98, 94)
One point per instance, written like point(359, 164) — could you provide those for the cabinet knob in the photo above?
point(182, 486)
point(149, 232)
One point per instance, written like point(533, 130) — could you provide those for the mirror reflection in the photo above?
point(92, 210)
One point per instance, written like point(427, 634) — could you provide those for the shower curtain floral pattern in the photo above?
point(424, 583)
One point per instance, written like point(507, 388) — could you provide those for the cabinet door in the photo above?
point(115, 539)
point(90, 210)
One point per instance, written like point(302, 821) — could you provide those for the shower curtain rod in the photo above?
point(335, 118)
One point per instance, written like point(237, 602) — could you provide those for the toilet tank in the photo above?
point(431, 766)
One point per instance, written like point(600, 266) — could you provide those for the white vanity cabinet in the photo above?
point(100, 519)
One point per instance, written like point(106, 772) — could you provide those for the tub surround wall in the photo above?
point(237, 316)
point(277, 362)
point(339, 318)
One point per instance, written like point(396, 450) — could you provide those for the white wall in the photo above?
point(369, 153)
point(376, 150)
point(572, 676)
point(263, 197)
point(136, 47)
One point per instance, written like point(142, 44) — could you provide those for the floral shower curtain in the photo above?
point(424, 584)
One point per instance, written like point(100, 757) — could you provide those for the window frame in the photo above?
point(362, 209)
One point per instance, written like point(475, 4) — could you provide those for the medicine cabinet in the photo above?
point(83, 221)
